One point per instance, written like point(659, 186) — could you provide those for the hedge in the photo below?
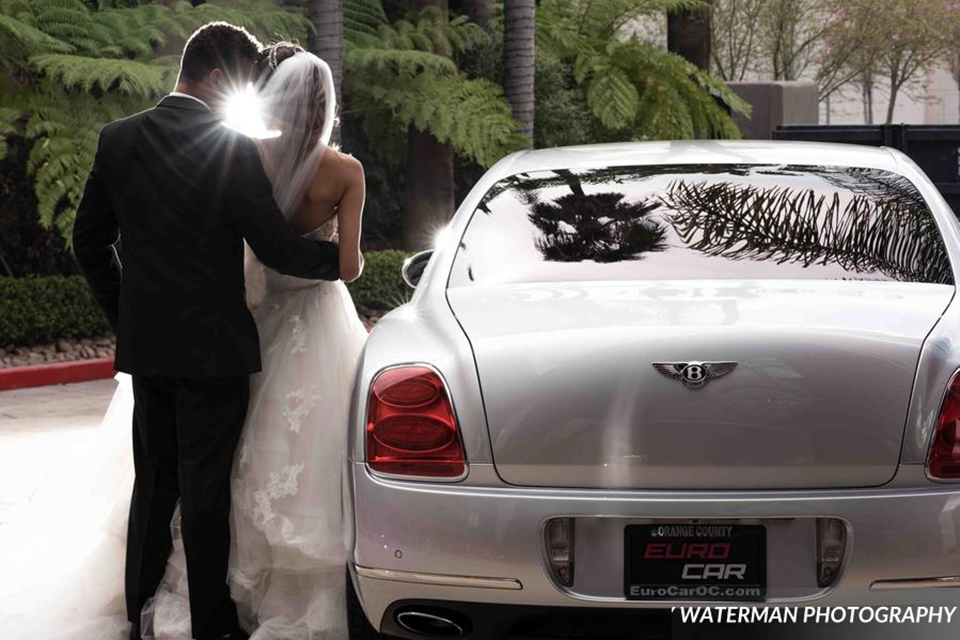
point(381, 287)
point(42, 309)
point(39, 309)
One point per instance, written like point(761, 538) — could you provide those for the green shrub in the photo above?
point(42, 309)
point(380, 287)
point(36, 310)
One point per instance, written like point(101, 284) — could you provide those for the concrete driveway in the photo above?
point(39, 429)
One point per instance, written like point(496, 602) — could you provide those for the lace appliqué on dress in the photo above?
point(280, 485)
point(299, 335)
point(299, 404)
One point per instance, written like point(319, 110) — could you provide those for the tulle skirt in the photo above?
point(62, 558)
point(288, 552)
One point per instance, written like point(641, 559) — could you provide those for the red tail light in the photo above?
point(945, 452)
point(411, 429)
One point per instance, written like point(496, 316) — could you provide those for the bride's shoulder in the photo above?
point(336, 162)
point(336, 173)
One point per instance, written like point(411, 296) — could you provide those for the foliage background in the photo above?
point(69, 66)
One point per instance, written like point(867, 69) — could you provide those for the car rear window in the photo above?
point(702, 222)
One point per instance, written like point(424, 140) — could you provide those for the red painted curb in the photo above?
point(42, 375)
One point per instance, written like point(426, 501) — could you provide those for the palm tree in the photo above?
point(519, 29)
point(326, 41)
point(688, 34)
point(601, 227)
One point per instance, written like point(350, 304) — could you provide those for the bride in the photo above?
point(65, 580)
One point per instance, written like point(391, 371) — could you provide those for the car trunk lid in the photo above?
point(818, 397)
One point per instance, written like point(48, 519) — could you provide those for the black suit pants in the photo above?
point(185, 432)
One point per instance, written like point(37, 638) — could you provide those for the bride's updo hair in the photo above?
point(271, 57)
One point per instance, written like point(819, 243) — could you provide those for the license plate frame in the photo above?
point(727, 562)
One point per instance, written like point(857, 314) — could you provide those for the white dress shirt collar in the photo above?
point(177, 94)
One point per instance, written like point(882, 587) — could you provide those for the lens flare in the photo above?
point(243, 112)
point(441, 236)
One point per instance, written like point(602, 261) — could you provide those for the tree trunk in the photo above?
point(895, 84)
point(955, 71)
point(866, 91)
point(688, 34)
point(518, 61)
point(892, 104)
point(478, 11)
point(429, 200)
point(429, 197)
point(326, 42)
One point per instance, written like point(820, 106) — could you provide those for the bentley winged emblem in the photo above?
point(694, 375)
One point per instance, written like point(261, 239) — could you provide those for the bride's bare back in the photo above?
point(337, 189)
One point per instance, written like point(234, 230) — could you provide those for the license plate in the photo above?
point(694, 562)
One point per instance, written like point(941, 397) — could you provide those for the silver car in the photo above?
point(636, 376)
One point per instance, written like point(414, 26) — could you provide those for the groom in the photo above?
point(178, 193)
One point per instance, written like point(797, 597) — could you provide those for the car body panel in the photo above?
point(819, 396)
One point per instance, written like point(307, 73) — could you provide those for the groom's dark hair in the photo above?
point(217, 45)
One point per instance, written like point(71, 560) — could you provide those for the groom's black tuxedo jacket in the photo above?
point(180, 191)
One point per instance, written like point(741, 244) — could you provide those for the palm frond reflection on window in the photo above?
point(864, 233)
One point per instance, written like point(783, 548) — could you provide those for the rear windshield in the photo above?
point(702, 222)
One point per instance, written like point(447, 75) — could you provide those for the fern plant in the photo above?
point(635, 89)
point(403, 73)
point(59, 164)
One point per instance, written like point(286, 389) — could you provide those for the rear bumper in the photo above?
point(469, 543)
point(519, 621)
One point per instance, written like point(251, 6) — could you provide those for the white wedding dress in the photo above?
point(62, 560)
point(287, 564)
point(61, 568)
